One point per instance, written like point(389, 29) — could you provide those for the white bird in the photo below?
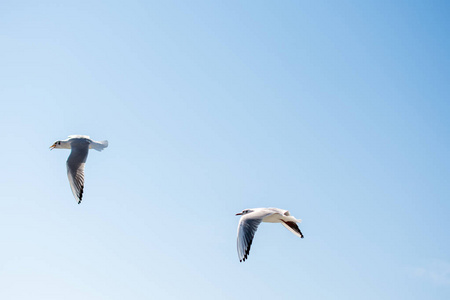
point(250, 220)
point(80, 145)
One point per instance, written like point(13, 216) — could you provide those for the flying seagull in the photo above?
point(250, 220)
point(80, 145)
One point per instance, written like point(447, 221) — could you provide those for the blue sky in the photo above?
point(338, 112)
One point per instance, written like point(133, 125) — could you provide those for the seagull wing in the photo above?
point(78, 136)
point(292, 227)
point(75, 168)
point(246, 231)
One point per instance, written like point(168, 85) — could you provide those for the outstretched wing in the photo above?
point(246, 231)
point(75, 168)
point(79, 136)
point(292, 227)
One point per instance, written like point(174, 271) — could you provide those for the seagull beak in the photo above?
point(238, 214)
point(52, 146)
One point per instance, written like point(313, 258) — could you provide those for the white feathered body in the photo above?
point(77, 139)
point(278, 215)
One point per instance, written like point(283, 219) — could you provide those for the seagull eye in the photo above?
point(59, 143)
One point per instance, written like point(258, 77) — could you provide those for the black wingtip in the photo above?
point(81, 194)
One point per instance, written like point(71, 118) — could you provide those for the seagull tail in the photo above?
point(99, 146)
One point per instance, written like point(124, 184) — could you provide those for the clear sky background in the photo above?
point(337, 111)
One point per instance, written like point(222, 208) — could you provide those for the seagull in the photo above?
point(250, 220)
point(80, 145)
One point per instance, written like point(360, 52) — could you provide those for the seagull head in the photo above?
point(60, 145)
point(244, 212)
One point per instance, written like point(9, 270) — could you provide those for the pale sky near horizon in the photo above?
point(338, 112)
